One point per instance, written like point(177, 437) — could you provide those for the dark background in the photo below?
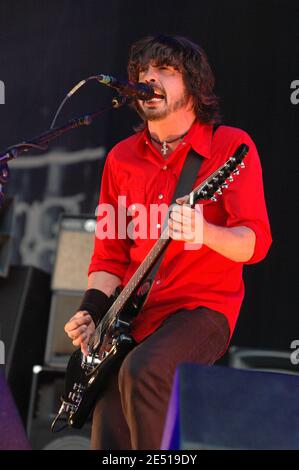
point(47, 47)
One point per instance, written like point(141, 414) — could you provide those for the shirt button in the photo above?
point(133, 207)
point(183, 143)
point(158, 225)
point(158, 282)
point(165, 167)
point(160, 196)
point(146, 142)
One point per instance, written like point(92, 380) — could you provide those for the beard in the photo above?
point(157, 114)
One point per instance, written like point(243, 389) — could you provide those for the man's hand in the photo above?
point(79, 329)
point(185, 223)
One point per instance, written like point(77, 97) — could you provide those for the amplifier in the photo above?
point(73, 253)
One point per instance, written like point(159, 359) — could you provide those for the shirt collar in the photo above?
point(199, 137)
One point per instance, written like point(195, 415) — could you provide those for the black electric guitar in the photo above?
point(86, 375)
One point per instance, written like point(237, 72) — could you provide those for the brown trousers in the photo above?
point(132, 413)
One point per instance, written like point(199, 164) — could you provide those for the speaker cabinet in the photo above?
point(69, 282)
point(47, 388)
point(74, 249)
point(25, 303)
point(59, 347)
point(214, 407)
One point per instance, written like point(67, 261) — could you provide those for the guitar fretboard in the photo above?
point(139, 275)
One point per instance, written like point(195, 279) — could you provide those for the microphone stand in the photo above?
point(41, 142)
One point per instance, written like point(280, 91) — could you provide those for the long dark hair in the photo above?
point(188, 58)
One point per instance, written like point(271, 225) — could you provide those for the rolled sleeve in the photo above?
point(245, 202)
point(108, 265)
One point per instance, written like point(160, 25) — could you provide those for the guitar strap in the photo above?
point(185, 184)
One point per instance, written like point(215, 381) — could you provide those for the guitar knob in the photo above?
point(224, 186)
point(219, 191)
point(230, 178)
point(242, 165)
point(236, 172)
point(213, 198)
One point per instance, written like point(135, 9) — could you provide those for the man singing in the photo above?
point(194, 303)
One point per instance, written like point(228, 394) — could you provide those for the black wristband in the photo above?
point(96, 303)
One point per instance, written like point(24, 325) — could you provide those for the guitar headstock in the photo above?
point(221, 178)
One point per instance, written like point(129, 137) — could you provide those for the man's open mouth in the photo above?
point(158, 97)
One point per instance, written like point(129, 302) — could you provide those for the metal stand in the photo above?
point(41, 142)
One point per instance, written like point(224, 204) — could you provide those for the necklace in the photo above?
point(164, 143)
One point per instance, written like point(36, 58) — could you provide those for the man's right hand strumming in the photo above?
point(79, 329)
point(94, 305)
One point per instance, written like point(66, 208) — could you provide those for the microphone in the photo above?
point(139, 91)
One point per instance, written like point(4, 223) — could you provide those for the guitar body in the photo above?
point(82, 390)
point(86, 376)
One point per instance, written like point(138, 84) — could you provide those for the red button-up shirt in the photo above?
point(186, 278)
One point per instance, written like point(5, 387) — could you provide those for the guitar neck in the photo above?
point(139, 275)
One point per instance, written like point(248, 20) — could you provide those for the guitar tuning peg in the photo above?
point(219, 191)
point(214, 199)
point(224, 186)
point(242, 165)
point(230, 178)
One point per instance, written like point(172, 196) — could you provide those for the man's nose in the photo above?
point(150, 75)
point(150, 80)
